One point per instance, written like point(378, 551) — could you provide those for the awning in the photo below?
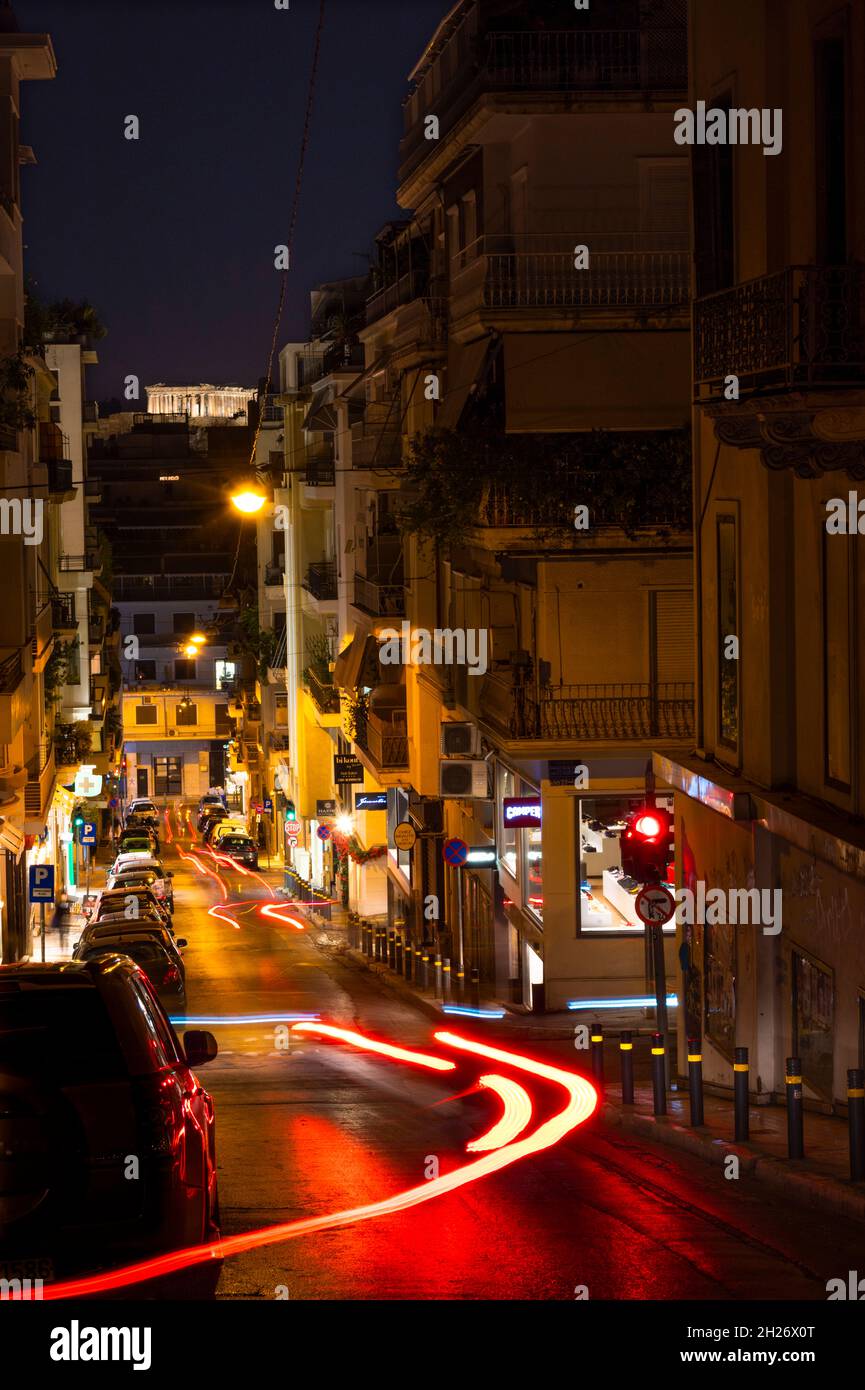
point(466, 369)
point(11, 838)
point(322, 412)
point(352, 663)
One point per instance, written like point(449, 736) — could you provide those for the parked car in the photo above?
point(210, 814)
point(210, 828)
point(239, 847)
point(113, 900)
point(139, 863)
point(91, 1071)
point(233, 825)
point(140, 839)
point(147, 879)
point(161, 963)
point(116, 922)
point(143, 806)
point(141, 824)
point(211, 798)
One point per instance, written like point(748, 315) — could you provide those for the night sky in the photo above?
point(172, 237)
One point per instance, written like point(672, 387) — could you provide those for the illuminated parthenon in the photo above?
point(202, 402)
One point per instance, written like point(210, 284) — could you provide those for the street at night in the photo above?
point(432, 771)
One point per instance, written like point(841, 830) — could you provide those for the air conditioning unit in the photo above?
point(460, 740)
point(464, 779)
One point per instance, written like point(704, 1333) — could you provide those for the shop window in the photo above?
point(728, 626)
point(607, 894)
point(814, 1022)
point(507, 834)
point(532, 862)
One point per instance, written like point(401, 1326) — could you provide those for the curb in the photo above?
point(785, 1175)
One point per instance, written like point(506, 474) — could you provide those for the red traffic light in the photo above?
point(648, 826)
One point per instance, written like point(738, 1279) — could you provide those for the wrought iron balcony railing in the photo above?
point(320, 580)
point(11, 672)
point(319, 469)
point(379, 600)
point(409, 286)
point(63, 613)
point(604, 712)
point(803, 326)
point(386, 744)
point(579, 60)
point(626, 270)
point(324, 693)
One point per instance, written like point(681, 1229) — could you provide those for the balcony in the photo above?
point(628, 272)
point(379, 600)
point(799, 329)
point(319, 469)
point(63, 615)
point(598, 63)
point(334, 357)
point(91, 562)
point(591, 713)
point(39, 787)
point(9, 438)
point(385, 743)
point(93, 489)
point(412, 285)
point(377, 446)
point(274, 576)
point(13, 693)
point(272, 413)
point(53, 443)
point(167, 587)
point(324, 694)
point(42, 634)
point(278, 742)
point(276, 668)
point(320, 580)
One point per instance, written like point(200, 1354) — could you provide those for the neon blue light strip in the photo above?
point(244, 1018)
point(633, 1001)
point(473, 1013)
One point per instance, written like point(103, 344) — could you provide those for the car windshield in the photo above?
point(236, 842)
point(60, 1035)
point(121, 881)
point(139, 950)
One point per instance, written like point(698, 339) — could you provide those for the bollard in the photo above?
point(418, 978)
point(446, 980)
point(795, 1117)
point(398, 947)
point(424, 968)
point(626, 1056)
point(438, 975)
point(597, 1037)
point(740, 1094)
point(460, 986)
point(382, 945)
point(391, 949)
point(856, 1121)
point(659, 1092)
point(695, 1082)
point(476, 989)
point(408, 958)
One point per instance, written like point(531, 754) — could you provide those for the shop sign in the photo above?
point(347, 768)
point(370, 801)
point(520, 811)
point(323, 809)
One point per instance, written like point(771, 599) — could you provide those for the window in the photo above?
point(225, 674)
point(223, 724)
point(184, 669)
point(184, 622)
point(73, 662)
point(143, 624)
point(728, 626)
point(145, 670)
point(186, 714)
point(830, 140)
point(145, 714)
point(837, 665)
point(712, 173)
point(507, 834)
point(168, 776)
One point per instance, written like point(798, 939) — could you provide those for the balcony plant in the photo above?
point(356, 709)
point(16, 410)
point(637, 480)
point(72, 743)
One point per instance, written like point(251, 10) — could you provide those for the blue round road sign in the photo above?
point(455, 852)
point(323, 832)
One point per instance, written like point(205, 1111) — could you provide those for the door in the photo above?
point(167, 776)
point(141, 787)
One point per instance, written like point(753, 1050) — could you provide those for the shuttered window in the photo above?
point(673, 636)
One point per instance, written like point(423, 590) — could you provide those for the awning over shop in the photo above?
point(467, 366)
point(575, 383)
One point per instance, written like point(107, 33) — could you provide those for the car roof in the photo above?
point(54, 974)
point(124, 890)
point(141, 861)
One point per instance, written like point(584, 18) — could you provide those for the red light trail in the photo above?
point(582, 1098)
point(517, 1114)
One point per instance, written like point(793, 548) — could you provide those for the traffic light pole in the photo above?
point(656, 932)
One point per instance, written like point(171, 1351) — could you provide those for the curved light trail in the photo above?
point(516, 1117)
point(359, 1040)
point(581, 1102)
point(276, 910)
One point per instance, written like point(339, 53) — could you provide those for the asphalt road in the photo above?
point(319, 1128)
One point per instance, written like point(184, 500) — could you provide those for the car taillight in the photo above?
point(160, 1117)
point(171, 976)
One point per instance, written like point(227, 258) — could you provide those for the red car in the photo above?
point(92, 1072)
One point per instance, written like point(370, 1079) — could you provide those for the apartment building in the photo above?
point(527, 352)
point(183, 579)
point(773, 799)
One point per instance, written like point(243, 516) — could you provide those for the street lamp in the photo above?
point(344, 825)
point(249, 499)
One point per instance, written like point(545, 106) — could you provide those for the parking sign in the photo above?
point(88, 833)
point(41, 883)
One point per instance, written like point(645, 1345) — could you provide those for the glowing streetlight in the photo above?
point(248, 500)
point(190, 649)
point(344, 825)
point(198, 638)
